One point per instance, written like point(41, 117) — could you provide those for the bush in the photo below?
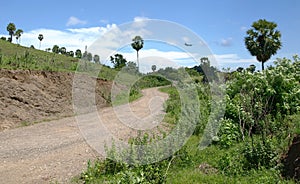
point(259, 154)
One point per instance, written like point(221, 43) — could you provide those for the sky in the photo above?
point(220, 26)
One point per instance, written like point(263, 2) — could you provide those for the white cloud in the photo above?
point(226, 42)
point(75, 21)
point(159, 58)
point(230, 60)
point(140, 19)
point(72, 39)
point(109, 39)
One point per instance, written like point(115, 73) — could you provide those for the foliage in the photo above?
point(149, 81)
point(118, 61)
point(259, 154)
point(78, 53)
point(137, 44)
point(40, 37)
point(63, 50)
point(97, 58)
point(18, 34)
point(209, 72)
point(256, 99)
point(229, 133)
point(11, 28)
point(120, 172)
point(263, 40)
point(19, 57)
point(257, 105)
point(153, 68)
point(172, 106)
point(55, 49)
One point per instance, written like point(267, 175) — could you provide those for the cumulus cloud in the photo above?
point(72, 39)
point(75, 21)
point(110, 39)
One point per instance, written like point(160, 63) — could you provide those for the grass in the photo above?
point(212, 155)
point(188, 171)
point(14, 56)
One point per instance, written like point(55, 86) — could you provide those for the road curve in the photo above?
point(57, 150)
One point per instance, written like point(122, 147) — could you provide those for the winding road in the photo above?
point(56, 151)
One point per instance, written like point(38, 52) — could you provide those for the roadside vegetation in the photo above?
point(261, 118)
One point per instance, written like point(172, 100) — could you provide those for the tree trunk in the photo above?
point(137, 57)
point(262, 65)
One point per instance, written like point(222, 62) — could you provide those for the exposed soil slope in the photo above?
point(291, 161)
point(56, 150)
point(34, 96)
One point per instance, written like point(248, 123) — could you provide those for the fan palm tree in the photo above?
point(41, 37)
point(11, 27)
point(18, 34)
point(137, 45)
point(263, 40)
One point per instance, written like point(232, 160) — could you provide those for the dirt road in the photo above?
point(57, 151)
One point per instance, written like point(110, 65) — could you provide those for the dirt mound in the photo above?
point(291, 161)
point(34, 96)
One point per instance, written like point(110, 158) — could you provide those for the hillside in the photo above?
point(33, 96)
point(8, 49)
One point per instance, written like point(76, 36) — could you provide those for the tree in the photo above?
point(11, 28)
point(63, 50)
point(78, 53)
point(209, 72)
point(118, 61)
point(55, 49)
point(89, 56)
point(263, 40)
point(130, 68)
point(153, 67)
point(97, 58)
point(137, 44)
point(18, 34)
point(40, 37)
point(239, 69)
point(71, 53)
point(251, 68)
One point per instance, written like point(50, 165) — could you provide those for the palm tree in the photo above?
point(18, 34)
point(11, 27)
point(263, 40)
point(41, 37)
point(137, 44)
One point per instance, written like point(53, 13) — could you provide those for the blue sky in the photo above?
point(221, 24)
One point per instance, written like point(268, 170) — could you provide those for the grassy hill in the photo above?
point(14, 56)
